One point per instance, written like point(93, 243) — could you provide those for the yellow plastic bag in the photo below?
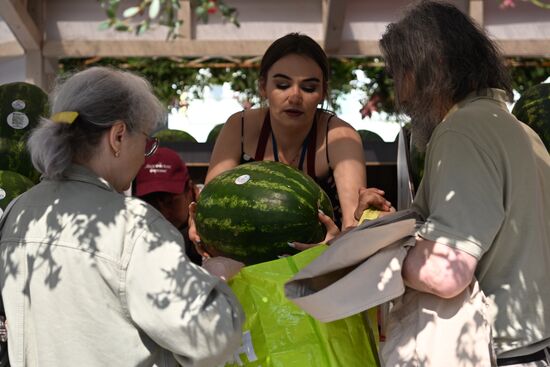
point(277, 333)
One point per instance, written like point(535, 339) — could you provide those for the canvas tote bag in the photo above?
point(362, 269)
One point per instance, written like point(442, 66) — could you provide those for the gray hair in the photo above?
point(101, 96)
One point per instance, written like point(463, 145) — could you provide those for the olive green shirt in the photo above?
point(486, 191)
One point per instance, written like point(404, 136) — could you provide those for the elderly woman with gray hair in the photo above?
point(90, 277)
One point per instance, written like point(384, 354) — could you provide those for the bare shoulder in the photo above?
point(337, 128)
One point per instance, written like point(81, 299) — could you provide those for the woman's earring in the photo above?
point(117, 154)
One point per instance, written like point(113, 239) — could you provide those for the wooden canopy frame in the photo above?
point(39, 32)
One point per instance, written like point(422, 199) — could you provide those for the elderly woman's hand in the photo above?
point(193, 234)
point(222, 267)
point(372, 198)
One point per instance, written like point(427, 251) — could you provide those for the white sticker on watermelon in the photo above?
point(242, 179)
point(18, 104)
point(18, 120)
point(2, 194)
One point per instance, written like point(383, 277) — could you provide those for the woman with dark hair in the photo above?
point(89, 276)
point(293, 129)
point(486, 184)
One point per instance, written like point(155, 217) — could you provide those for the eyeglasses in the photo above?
point(151, 145)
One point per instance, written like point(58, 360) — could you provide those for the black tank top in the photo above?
point(328, 184)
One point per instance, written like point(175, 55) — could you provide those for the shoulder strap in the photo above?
point(326, 138)
point(264, 135)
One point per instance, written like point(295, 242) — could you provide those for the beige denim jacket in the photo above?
point(93, 278)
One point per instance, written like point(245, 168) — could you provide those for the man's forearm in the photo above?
point(438, 269)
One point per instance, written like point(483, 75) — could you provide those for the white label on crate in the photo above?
point(18, 120)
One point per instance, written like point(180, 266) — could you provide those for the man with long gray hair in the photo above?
point(485, 193)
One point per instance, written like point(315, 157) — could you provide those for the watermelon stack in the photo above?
point(12, 184)
point(174, 136)
point(533, 108)
point(369, 136)
point(21, 106)
point(213, 134)
point(252, 211)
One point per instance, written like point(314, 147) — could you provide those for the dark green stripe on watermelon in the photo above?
point(18, 99)
point(16, 158)
point(12, 184)
point(533, 108)
point(254, 221)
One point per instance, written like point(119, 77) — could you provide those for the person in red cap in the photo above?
point(163, 181)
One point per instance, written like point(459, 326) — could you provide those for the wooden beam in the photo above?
point(525, 48)
point(11, 49)
point(475, 11)
point(185, 14)
point(148, 48)
point(333, 12)
point(242, 48)
point(23, 27)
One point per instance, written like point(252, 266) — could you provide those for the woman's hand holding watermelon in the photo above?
point(369, 198)
point(332, 232)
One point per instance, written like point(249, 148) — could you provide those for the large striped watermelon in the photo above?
point(251, 212)
point(21, 106)
point(533, 108)
point(11, 185)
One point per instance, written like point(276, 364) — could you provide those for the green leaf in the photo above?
point(130, 12)
point(106, 24)
point(121, 27)
point(154, 9)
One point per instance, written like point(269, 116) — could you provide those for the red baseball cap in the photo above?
point(164, 171)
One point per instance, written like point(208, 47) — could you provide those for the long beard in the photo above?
point(421, 131)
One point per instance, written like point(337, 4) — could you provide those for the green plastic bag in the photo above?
point(277, 333)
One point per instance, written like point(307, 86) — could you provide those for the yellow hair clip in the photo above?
point(65, 117)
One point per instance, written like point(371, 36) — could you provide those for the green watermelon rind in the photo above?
point(229, 216)
point(16, 158)
point(12, 185)
point(174, 136)
point(36, 106)
point(213, 134)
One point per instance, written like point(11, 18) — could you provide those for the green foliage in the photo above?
point(173, 77)
point(533, 108)
point(528, 72)
point(145, 14)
